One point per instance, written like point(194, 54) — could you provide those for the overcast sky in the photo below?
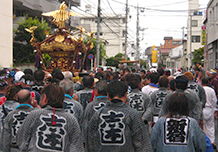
point(166, 17)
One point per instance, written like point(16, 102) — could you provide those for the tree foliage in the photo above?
point(142, 64)
point(198, 55)
point(22, 49)
point(93, 50)
point(114, 61)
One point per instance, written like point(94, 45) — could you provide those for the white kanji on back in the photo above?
point(51, 137)
point(112, 128)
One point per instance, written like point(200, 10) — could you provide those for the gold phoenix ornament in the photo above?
point(31, 30)
point(60, 16)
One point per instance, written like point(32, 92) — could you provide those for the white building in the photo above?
point(6, 33)
point(112, 30)
point(174, 59)
point(211, 22)
point(131, 51)
point(195, 21)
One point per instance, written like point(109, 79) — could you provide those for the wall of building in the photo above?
point(211, 49)
point(112, 31)
point(6, 33)
point(193, 31)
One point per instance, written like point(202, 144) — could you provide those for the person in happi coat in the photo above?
point(85, 95)
point(39, 76)
point(177, 132)
point(9, 105)
point(139, 101)
point(3, 88)
point(116, 126)
point(100, 100)
point(196, 87)
point(70, 105)
point(195, 106)
point(158, 96)
point(14, 120)
point(50, 128)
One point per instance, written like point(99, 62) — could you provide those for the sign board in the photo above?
point(154, 56)
point(91, 56)
point(203, 35)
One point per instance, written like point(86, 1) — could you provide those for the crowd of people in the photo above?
point(129, 110)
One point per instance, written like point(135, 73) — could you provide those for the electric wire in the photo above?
point(151, 9)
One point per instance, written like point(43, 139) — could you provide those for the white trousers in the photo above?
point(208, 119)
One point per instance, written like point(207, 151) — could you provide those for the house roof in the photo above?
point(168, 38)
point(165, 50)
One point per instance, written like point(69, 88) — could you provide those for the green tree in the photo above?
point(22, 49)
point(198, 55)
point(114, 61)
point(93, 50)
point(142, 63)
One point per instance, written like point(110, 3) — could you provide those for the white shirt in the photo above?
point(149, 89)
point(210, 97)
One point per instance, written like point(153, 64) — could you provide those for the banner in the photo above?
point(154, 57)
point(203, 35)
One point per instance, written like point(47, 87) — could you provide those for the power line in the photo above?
point(168, 4)
point(102, 21)
point(105, 14)
point(110, 28)
point(111, 7)
point(151, 9)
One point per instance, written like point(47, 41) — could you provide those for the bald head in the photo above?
point(24, 96)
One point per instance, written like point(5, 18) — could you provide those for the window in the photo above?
point(213, 15)
point(168, 42)
point(210, 18)
point(124, 33)
point(177, 42)
point(124, 20)
point(195, 38)
point(216, 10)
point(194, 23)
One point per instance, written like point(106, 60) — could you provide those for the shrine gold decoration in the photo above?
point(31, 30)
point(66, 49)
point(49, 47)
point(59, 38)
point(60, 16)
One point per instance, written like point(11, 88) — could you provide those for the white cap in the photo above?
point(18, 75)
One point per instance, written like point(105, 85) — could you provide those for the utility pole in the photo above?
point(126, 27)
point(137, 34)
point(183, 28)
point(98, 34)
point(127, 10)
point(190, 39)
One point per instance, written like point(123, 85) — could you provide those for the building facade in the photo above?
point(211, 47)
point(112, 30)
point(6, 33)
point(169, 43)
point(194, 24)
point(175, 60)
